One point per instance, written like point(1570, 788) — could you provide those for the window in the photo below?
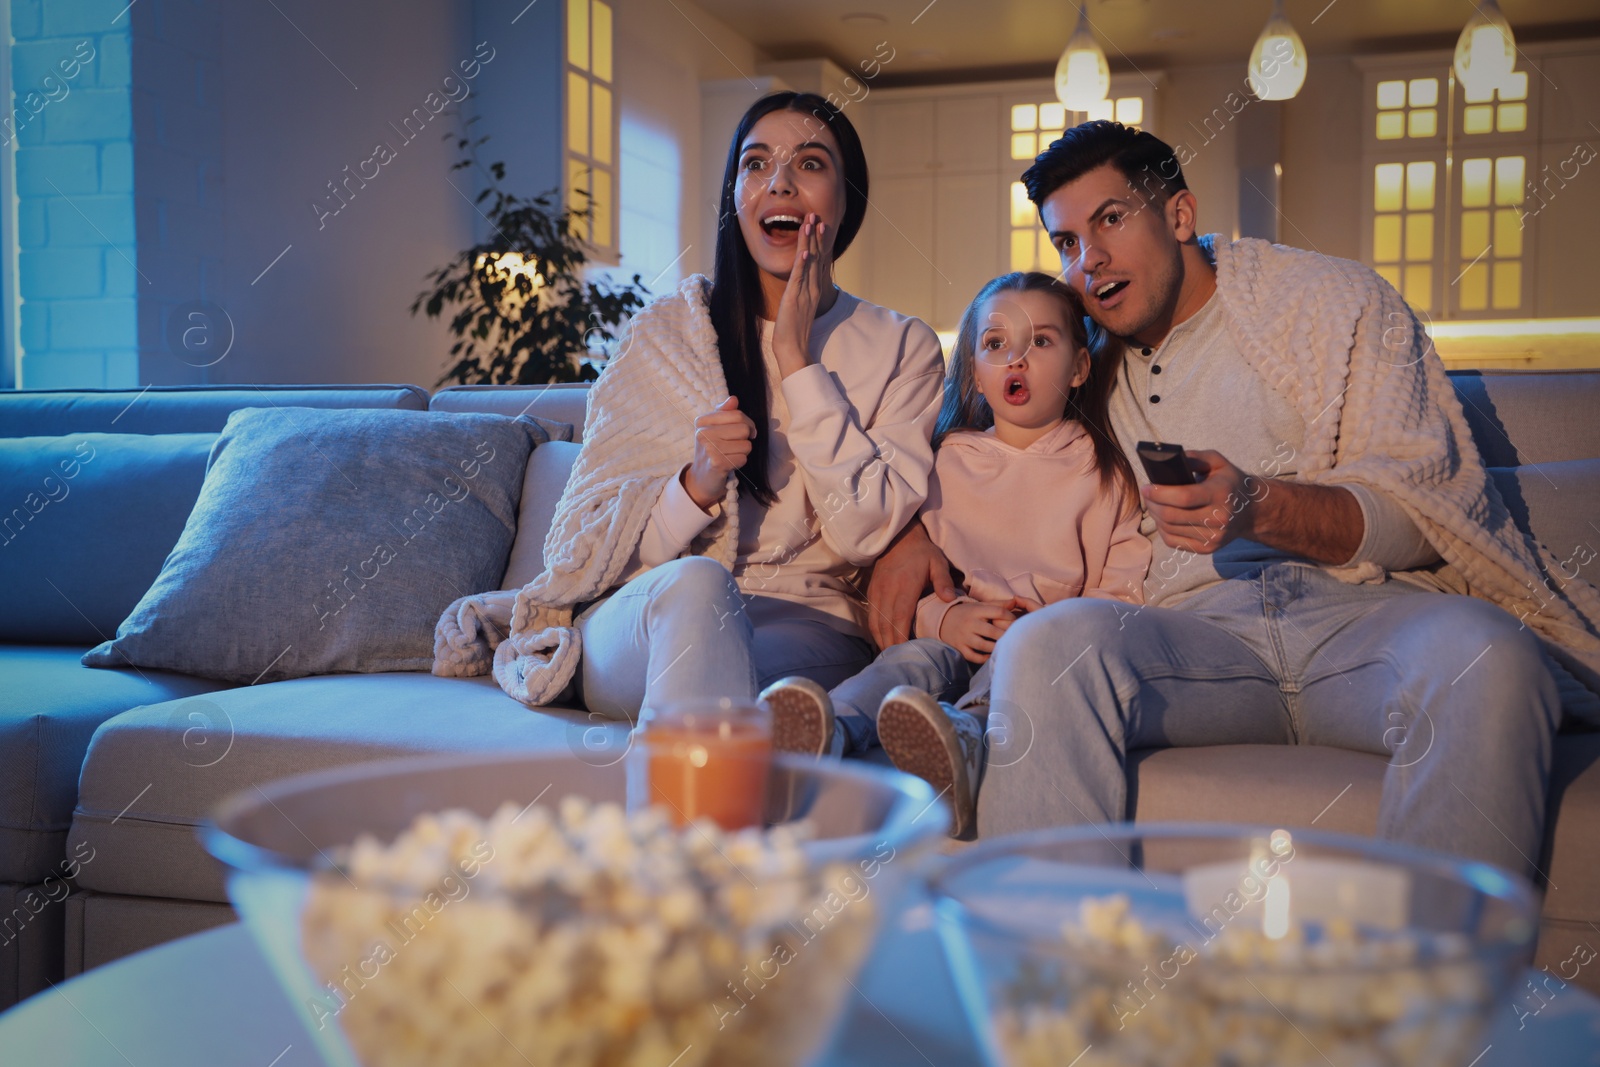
point(1492, 146)
point(591, 124)
point(1446, 225)
point(1408, 109)
point(1490, 256)
point(1033, 127)
point(1404, 201)
point(1508, 115)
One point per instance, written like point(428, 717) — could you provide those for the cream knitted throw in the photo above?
point(639, 432)
point(1347, 352)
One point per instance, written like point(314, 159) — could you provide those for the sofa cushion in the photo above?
point(1332, 789)
point(330, 541)
point(1288, 785)
point(50, 706)
point(102, 928)
point(566, 403)
point(1559, 503)
point(61, 580)
point(32, 934)
point(1523, 417)
point(179, 408)
point(267, 732)
point(548, 470)
point(1570, 857)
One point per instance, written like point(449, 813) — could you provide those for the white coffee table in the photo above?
point(209, 1000)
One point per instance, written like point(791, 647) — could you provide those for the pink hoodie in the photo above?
point(1030, 522)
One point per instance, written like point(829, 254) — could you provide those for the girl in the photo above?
point(1032, 501)
point(758, 439)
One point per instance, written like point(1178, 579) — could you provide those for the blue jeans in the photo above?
point(1453, 690)
point(932, 666)
point(681, 631)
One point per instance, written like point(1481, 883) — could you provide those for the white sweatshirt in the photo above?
point(1197, 389)
point(848, 458)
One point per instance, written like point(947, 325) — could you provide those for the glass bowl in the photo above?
point(443, 910)
point(1185, 944)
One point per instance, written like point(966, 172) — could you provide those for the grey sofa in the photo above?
point(105, 774)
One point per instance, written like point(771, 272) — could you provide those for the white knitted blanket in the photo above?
point(639, 432)
point(1346, 350)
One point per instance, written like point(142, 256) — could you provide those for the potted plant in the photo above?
point(521, 309)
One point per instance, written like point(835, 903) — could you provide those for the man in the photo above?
point(1307, 589)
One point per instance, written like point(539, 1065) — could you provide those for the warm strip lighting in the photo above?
point(1518, 328)
point(1511, 344)
point(1526, 328)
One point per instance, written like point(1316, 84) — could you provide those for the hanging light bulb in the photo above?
point(1485, 52)
point(1082, 76)
point(1278, 61)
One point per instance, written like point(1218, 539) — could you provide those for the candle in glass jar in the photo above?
point(704, 760)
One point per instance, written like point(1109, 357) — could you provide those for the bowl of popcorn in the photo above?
point(491, 910)
point(1178, 945)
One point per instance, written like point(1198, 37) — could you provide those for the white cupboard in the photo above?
point(943, 162)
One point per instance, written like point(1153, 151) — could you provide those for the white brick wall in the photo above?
point(73, 123)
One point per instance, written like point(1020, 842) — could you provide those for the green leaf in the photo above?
point(525, 335)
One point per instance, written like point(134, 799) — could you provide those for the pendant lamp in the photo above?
point(1278, 61)
point(1486, 53)
point(1082, 76)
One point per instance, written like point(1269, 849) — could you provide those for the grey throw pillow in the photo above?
point(329, 541)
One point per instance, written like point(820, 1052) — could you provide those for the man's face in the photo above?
point(1121, 251)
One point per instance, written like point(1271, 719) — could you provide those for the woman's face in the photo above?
point(789, 167)
point(1026, 359)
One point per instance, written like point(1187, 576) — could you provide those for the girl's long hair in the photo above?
point(965, 408)
point(736, 302)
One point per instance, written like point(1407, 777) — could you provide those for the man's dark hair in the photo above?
point(1144, 159)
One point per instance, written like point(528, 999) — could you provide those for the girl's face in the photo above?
point(1026, 362)
point(788, 168)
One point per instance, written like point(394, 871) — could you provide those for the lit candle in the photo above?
point(703, 759)
point(1275, 908)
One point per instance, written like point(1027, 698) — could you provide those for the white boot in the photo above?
point(940, 745)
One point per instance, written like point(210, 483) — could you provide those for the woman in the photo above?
point(756, 442)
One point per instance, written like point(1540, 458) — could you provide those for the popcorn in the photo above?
point(1315, 995)
point(582, 936)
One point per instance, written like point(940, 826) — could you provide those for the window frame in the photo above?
point(1449, 149)
point(1123, 87)
point(609, 217)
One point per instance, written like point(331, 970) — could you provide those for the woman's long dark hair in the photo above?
point(736, 302)
point(965, 408)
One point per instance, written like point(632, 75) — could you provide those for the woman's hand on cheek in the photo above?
point(791, 334)
point(722, 443)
